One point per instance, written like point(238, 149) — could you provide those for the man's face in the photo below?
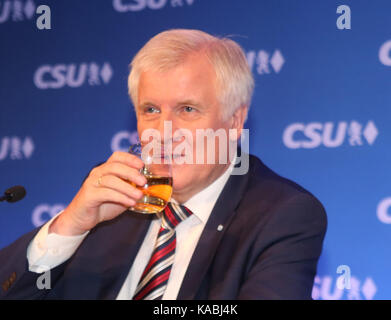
point(186, 96)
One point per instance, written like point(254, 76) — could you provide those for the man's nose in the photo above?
point(166, 127)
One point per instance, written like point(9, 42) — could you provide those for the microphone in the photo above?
point(14, 194)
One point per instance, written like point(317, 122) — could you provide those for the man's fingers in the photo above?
point(119, 185)
point(122, 171)
point(126, 158)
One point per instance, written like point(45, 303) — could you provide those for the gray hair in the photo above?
point(170, 48)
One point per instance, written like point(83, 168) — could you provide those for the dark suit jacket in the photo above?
point(268, 249)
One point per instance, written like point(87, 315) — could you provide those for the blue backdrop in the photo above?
point(320, 114)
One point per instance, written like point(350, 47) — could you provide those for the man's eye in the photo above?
point(151, 110)
point(188, 109)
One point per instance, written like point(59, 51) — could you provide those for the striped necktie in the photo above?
point(154, 280)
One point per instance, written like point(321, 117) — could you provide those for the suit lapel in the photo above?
point(222, 215)
point(100, 266)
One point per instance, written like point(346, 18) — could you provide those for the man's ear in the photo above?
point(237, 122)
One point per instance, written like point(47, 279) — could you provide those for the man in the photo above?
point(250, 236)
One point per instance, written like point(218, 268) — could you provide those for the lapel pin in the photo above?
point(220, 227)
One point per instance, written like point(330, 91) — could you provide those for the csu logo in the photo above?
point(122, 140)
point(329, 134)
point(16, 148)
point(72, 75)
point(265, 62)
point(385, 53)
point(326, 288)
point(139, 5)
point(44, 212)
point(16, 10)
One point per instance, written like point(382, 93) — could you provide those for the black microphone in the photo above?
point(14, 194)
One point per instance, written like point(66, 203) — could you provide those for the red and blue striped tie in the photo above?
point(154, 280)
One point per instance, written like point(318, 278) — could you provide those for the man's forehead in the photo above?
point(196, 61)
point(181, 82)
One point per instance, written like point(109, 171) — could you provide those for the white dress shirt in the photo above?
point(46, 251)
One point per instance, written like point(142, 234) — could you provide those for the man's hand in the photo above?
point(103, 196)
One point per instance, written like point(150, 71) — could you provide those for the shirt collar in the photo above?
point(202, 203)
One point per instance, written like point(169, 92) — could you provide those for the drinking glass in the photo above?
point(158, 172)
